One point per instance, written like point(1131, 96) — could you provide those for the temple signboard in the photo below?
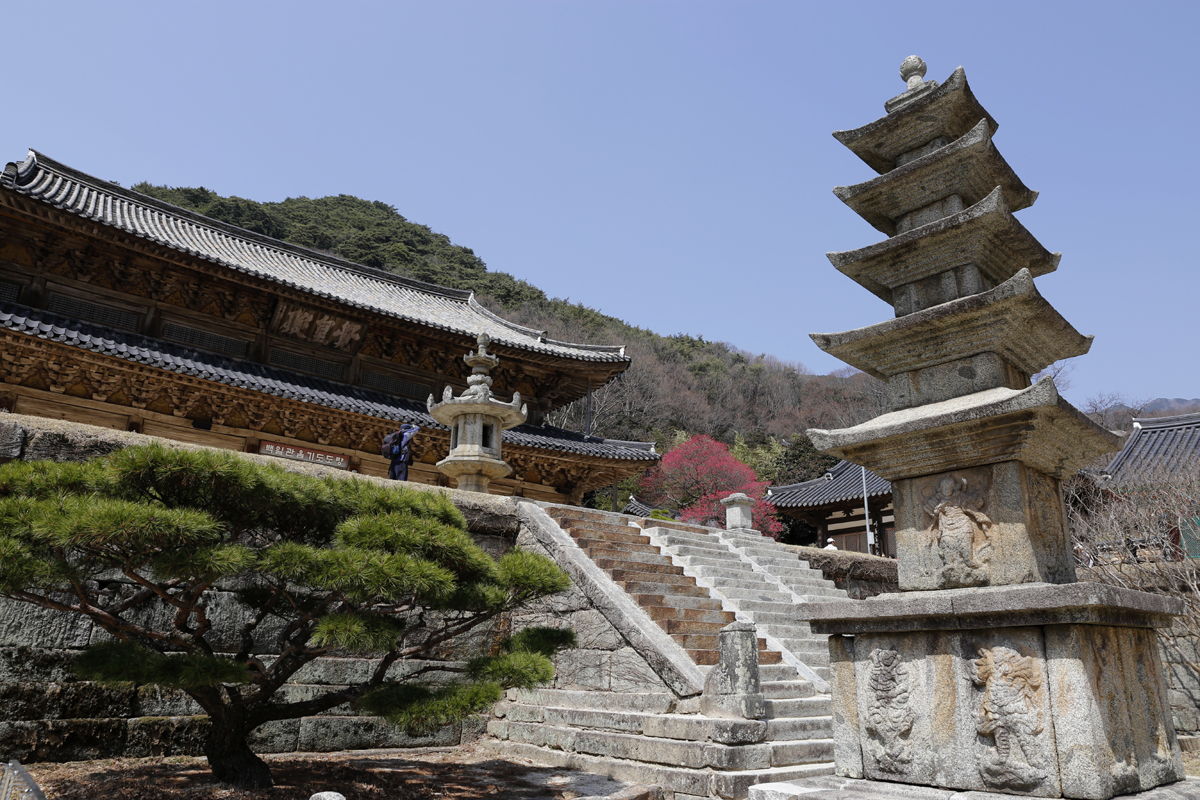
point(304, 454)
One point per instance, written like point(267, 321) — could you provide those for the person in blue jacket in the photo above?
point(401, 452)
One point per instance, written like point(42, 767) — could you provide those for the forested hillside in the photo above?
point(677, 383)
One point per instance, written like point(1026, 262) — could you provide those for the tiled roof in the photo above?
point(74, 192)
point(637, 508)
point(843, 482)
point(1157, 449)
point(290, 385)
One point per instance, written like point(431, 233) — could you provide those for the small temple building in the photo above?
point(120, 310)
point(837, 506)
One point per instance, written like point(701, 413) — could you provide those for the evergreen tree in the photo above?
point(139, 542)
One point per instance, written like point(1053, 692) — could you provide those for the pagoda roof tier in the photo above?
point(1013, 321)
point(970, 167)
point(1033, 426)
point(73, 192)
point(986, 235)
point(948, 111)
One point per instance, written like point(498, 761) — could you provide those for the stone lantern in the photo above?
point(476, 418)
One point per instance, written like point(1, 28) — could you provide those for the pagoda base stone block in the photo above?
point(1019, 693)
point(839, 788)
point(995, 524)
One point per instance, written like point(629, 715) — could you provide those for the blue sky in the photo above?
point(668, 163)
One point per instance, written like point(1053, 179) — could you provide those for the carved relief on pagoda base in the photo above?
point(984, 526)
point(1062, 710)
point(121, 392)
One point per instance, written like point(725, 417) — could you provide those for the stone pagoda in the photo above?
point(475, 419)
point(994, 670)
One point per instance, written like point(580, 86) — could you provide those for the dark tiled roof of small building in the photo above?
point(843, 482)
point(290, 385)
point(74, 192)
point(1157, 449)
point(637, 508)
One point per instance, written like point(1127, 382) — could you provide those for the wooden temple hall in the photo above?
point(120, 310)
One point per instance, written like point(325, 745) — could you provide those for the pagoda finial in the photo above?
point(912, 71)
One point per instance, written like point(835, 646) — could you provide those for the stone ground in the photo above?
point(451, 773)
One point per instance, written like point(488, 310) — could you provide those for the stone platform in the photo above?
point(1049, 690)
point(834, 788)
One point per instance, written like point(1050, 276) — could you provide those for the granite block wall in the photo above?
point(48, 714)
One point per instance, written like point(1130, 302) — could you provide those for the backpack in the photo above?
point(395, 446)
point(389, 447)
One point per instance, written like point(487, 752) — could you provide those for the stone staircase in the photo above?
point(673, 599)
point(649, 738)
point(692, 582)
point(758, 578)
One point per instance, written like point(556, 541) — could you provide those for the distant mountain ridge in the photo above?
point(1176, 405)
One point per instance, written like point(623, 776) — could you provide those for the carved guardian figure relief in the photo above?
point(1010, 715)
point(959, 532)
point(889, 719)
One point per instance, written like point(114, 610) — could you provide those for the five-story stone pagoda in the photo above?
point(993, 670)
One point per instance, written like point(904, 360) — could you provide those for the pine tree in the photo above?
point(140, 541)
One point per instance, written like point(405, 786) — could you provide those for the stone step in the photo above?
point(687, 537)
point(641, 702)
point(790, 617)
point(792, 728)
point(683, 626)
point(762, 593)
point(682, 527)
point(816, 706)
point(780, 672)
point(689, 614)
point(707, 658)
point(752, 583)
point(787, 690)
point(806, 647)
point(619, 559)
point(689, 727)
point(608, 534)
point(715, 551)
point(702, 602)
point(735, 573)
point(812, 659)
point(669, 581)
point(725, 561)
point(598, 548)
point(655, 587)
point(683, 782)
point(772, 606)
point(629, 570)
point(583, 519)
point(637, 746)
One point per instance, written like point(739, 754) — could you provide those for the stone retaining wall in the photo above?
point(46, 714)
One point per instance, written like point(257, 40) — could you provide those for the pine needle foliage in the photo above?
point(151, 543)
point(524, 662)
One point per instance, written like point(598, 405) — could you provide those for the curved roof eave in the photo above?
point(46, 180)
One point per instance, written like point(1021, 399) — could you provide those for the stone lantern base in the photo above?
point(473, 472)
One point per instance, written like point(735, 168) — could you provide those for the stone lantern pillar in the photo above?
point(476, 418)
point(738, 508)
